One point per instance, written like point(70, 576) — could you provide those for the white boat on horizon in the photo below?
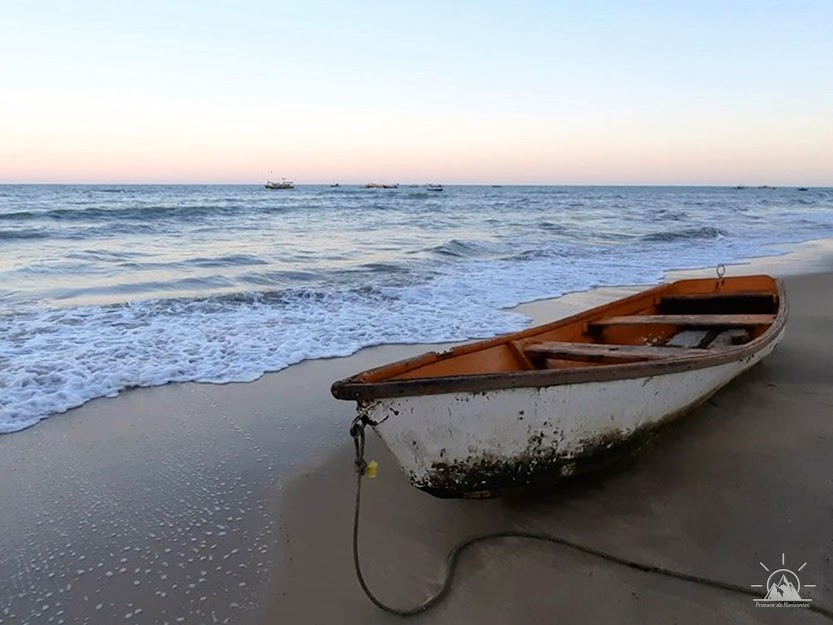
point(283, 184)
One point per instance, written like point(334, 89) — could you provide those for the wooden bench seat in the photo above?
point(691, 321)
point(606, 351)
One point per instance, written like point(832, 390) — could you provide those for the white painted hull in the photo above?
point(479, 443)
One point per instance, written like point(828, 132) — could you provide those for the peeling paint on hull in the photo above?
point(540, 468)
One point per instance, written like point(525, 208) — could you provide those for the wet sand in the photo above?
point(233, 504)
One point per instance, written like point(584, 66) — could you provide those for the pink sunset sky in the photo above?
point(546, 93)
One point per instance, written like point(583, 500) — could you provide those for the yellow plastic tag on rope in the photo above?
point(372, 469)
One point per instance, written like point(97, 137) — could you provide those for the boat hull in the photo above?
point(485, 443)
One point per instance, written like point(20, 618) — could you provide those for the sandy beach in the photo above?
point(215, 217)
point(232, 503)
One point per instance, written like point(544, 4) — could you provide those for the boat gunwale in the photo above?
point(356, 388)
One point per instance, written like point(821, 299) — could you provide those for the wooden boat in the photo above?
point(529, 408)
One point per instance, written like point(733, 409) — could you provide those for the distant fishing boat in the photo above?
point(434, 187)
point(529, 408)
point(335, 185)
point(283, 184)
point(374, 185)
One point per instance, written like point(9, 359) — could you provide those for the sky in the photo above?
point(555, 92)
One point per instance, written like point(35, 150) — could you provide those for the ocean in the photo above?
point(109, 287)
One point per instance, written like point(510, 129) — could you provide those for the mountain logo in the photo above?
point(783, 586)
point(783, 590)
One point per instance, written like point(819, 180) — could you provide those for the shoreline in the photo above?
point(806, 258)
point(231, 503)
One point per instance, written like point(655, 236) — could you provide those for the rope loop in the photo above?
point(357, 432)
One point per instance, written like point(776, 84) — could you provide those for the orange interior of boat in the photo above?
point(684, 318)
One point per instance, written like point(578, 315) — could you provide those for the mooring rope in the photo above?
point(357, 432)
